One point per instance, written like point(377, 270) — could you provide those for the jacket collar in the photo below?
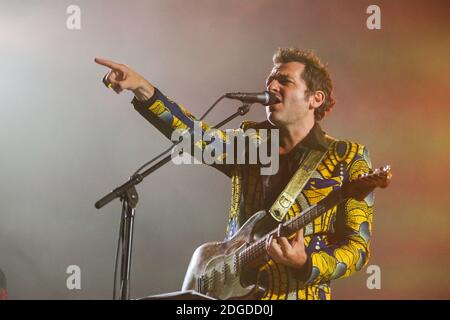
point(315, 139)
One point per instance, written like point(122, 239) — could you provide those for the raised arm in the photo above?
point(162, 112)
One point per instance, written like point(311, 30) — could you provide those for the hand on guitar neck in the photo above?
point(292, 254)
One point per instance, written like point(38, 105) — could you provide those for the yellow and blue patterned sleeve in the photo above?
point(168, 116)
point(338, 255)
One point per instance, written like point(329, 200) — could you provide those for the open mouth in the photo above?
point(279, 101)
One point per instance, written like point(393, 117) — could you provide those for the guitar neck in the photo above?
point(291, 226)
point(257, 249)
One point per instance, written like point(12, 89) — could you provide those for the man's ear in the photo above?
point(317, 99)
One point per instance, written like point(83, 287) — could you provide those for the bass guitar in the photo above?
point(227, 269)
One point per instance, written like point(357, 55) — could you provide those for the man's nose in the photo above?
point(274, 86)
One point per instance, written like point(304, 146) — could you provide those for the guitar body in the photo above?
point(214, 271)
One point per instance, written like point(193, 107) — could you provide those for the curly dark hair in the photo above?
point(315, 75)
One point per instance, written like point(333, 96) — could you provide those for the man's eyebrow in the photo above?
point(279, 76)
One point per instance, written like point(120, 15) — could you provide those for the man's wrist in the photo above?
point(144, 91)
point(304, 271)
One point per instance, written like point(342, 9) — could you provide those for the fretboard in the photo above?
point(257, 249)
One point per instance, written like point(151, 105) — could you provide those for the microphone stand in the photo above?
point(129, 197)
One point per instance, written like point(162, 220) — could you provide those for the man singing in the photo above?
point(334, 245)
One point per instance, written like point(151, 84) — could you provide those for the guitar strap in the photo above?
point(298, 181)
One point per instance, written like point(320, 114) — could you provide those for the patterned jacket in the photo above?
point(337, 243)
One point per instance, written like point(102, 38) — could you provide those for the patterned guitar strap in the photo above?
point(298, 181)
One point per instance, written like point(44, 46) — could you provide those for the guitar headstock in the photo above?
point(367, 182)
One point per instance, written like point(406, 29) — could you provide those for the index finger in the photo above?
point(108, 63)
point(284, 244)
point(300, 234)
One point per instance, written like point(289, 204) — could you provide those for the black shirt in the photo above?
point(273, 185)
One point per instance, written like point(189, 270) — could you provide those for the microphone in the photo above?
point(265, 98)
